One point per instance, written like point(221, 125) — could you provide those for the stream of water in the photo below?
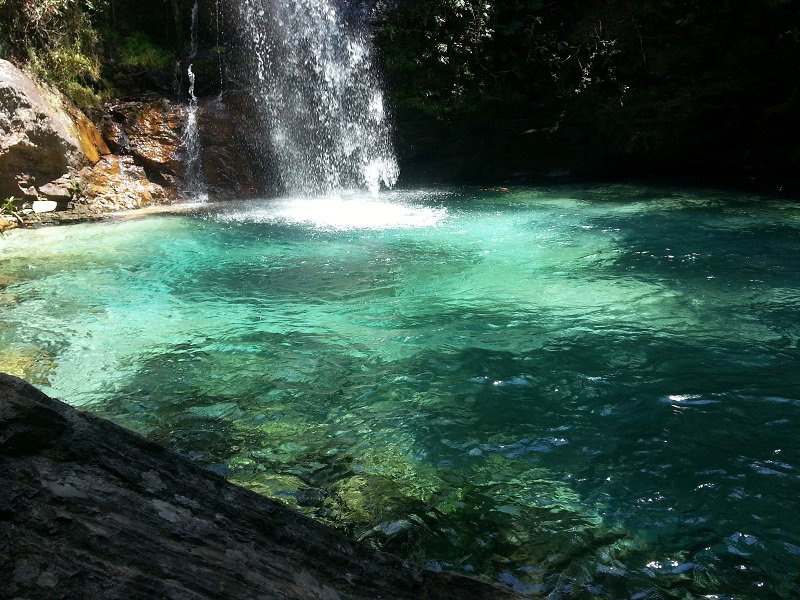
point(318, 96)
point(195, 185)
point(590, 392)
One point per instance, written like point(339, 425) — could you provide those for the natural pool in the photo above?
point(588, 391)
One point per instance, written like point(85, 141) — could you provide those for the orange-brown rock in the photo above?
point(92, 143)
point(117, 183)
point(150, 131)
point(7, 222)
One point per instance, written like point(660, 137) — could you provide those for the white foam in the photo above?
point(338, 213)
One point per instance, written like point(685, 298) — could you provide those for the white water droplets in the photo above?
point(190, 138)
point(318, 96)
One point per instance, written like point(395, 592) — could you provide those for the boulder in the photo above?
point(43, 206)
point(42, 137)
point(90, 510)
point(118, 183)
point(57, 191)
point(148, 130)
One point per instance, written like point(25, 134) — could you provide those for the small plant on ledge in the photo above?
point(7, 207)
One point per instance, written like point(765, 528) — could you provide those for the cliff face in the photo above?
point(59, 166)
point(90, 510)
point(41, 140)
point(54, 162)
point(520, 91)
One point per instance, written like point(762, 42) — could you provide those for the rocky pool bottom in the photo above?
point(584, 391)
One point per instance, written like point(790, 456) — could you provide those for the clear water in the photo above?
point(318, 96)
point(587, 392)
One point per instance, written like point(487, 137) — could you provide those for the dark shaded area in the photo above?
point(91, 510)
point(536, 90)
point(521, 91)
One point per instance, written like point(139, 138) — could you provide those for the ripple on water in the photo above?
point(581, 392)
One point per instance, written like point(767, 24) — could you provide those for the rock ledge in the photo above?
point(90, 510)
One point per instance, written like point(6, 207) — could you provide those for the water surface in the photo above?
point(590, 392)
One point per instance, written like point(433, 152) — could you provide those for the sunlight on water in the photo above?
point(586, 392)
point(343, 212)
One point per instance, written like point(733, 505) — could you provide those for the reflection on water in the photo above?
point(589, 392)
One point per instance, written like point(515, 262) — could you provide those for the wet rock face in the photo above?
point(151, 132)
point(227, 167)
point(37, 137)
point(89, 510)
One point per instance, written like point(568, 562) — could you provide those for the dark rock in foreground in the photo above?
point(90, 510)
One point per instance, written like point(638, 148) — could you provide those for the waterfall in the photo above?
point(190, 140)
point(218, 28)
point(318, 95)
point(195, 32)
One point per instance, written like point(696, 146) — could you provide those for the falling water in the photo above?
point(319, 97)
point(195, 182)
point(220, 64)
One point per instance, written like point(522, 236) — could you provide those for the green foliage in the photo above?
point(458, 56)
point(7, 206)
point(451, 57)
point(139, 51)
point(437, 46)
point(75, 188)
point(58, 41)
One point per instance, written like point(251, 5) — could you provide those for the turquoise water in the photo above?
point(591, 392)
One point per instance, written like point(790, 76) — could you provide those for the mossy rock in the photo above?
point(7, 280)
point(30, 363)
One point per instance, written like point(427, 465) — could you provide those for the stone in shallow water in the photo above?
point(29, 362)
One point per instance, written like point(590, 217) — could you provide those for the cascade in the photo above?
point(318, 96)
point(218, 28)
point(190, 139)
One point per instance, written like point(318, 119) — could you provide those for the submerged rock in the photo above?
point(90, 510)
point(30, 362)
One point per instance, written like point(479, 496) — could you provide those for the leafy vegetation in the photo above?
point(139, 51)
point(457, 55)
point(461, 56)
point(83, 46)
point(7, 206)
point(59, 42)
